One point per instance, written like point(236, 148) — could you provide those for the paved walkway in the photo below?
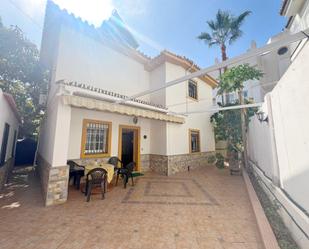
point(204, 208)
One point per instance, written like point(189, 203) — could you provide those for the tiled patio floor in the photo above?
point(205, 208)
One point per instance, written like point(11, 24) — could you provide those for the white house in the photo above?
point(89, 117)
point(9, 124)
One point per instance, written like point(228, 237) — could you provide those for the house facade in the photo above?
point(9, 125)
point(90, 117)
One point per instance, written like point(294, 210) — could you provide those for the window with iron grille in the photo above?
point(192, 89)
point(194, 141)
point(96, 138)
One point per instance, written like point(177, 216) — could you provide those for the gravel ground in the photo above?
point(282, 234)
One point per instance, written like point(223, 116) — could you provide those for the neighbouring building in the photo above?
point(88, 116)
point(273, 65)
point(9, 124)
point(278, 147)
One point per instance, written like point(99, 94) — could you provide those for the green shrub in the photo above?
point(211, 159)
point(220, 161)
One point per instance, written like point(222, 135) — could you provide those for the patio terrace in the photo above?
point(204, 208)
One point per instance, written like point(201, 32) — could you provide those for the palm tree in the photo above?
point(224, 29)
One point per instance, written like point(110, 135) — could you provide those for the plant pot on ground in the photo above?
point(235, 162)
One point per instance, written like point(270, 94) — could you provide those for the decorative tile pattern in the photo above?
point(114, 223)
point(178, 189)
point(184, 193)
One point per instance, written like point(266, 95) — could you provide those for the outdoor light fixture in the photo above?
point(262, 116)
point(135, 120)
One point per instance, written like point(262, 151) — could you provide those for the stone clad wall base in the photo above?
point(185, 162)
point(158, 164)
point(169, 165)
point(5, 170)
point(54, 182)
point(145, 162)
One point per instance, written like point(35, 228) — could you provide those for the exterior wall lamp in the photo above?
point(262, 116)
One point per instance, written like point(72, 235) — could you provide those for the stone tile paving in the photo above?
point(204, 208)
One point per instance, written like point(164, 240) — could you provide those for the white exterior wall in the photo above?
point(260, 149)
point(157, 77)
point(158, 135)
point(290, 108)
point(301, 19)
point(178, 136)
point(289, 103)
point(177, 100)
point(54, 133)
point(286, 155)
point(78, 115)
point(88, 61)
point(7, 116)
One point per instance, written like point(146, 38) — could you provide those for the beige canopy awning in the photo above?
point(99, 105)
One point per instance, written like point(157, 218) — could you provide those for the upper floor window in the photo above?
point(194, 139)
point(192, 90)
point(96, 139)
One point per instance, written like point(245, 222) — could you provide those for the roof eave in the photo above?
point(187, 64)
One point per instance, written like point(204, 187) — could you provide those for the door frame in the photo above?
point(136, 143)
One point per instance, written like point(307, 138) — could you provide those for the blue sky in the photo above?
point(163, 24)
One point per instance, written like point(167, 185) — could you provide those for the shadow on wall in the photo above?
point(296, 187)
point(19, 183)
point(25, 151)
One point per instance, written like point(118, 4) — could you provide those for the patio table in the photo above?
point(108, 167)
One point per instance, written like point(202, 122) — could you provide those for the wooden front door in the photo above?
point(129, 145)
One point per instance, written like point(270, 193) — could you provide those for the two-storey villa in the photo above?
point(88, 117)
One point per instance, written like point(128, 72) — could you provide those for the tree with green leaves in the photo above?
point(225, 29)
point(22, 76)
point(231, 125)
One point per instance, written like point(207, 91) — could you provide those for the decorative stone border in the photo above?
point(266, 232)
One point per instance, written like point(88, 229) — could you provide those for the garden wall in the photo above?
point(278, 149)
